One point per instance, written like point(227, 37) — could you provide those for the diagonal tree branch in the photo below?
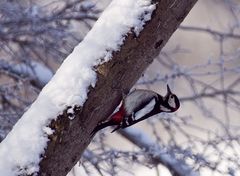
point(120, 73)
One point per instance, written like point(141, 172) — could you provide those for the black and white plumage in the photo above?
point(139, 105)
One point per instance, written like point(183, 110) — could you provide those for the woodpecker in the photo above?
point(139, 105)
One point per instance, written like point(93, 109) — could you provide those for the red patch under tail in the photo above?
point(115, 119)
point(118, 116)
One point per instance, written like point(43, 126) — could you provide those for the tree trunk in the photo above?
point(71, 137)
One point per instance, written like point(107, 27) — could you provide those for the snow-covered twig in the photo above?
point(36, 72)
point(176, 166)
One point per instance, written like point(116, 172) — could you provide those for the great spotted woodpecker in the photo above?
point(139, 105)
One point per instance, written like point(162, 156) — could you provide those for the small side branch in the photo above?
point(157, 154)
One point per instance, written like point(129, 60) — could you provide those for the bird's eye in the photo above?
point(171, 96)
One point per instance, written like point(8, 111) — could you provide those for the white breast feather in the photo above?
point(171, 102)
point(148, 108)
point(135, 99)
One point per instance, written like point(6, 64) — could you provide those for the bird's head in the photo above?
point(170, 102)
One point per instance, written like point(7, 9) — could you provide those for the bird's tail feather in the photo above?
point(115, 129)
point(101, 126)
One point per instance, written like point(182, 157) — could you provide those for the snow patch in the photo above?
point(70, 112)
point(20, 152)
point(48, 130)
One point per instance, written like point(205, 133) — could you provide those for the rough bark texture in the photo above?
point(71, 137)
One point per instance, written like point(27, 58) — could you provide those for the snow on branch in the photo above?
point(20, 152)
point(155, 152)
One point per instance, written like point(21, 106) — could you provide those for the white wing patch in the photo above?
point(135, 98)
point(148, 108)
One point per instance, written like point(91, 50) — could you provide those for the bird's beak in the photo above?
point(168, 90)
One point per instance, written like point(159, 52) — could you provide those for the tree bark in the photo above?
point(71, 137)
